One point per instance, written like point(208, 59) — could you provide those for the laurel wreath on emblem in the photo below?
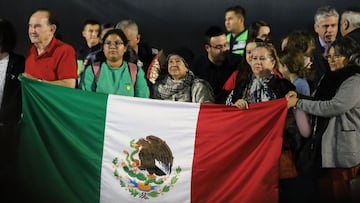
point(143, 183)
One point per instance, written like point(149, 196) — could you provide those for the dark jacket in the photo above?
point(216, 75)
point(11, 104)
point(355, 35)
point(319, 66)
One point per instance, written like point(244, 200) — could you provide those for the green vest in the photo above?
point(238, 45)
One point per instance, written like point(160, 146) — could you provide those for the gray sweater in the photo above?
point(340, 147)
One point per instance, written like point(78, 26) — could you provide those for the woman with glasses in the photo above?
point(336, 108)
point(115, 75)
point(261, 84)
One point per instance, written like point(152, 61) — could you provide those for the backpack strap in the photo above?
point(133, 71)
point(96, 70)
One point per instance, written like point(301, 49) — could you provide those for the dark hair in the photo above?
point(91, 22)
point(117, 32)
point(106, 25)
point(240, 11)
point(347, 47)
point(7, 36)
point(130, 54)
point(213, 31)
point(253, 30)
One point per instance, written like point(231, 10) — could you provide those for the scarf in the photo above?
point(260, 90)
point(167, 88)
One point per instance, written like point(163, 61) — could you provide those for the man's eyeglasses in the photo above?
point(116, 44)
point(335, 56)
point(220, 46)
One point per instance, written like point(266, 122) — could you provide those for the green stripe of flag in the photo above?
point(61, 157)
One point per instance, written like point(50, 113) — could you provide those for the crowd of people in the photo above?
point(318, 75)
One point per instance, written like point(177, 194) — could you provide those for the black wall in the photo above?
point(166, 23)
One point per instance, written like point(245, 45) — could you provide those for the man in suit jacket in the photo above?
point(326, 26)
point(11, 65)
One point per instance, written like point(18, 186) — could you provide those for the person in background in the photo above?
point(326, 26)
point(243, 68)
point(104, 28)
point(11, 66)
point(180, 83)
point(142, 51)
point(91, 45)
point(350, 24)
point(297, 128)
point(335, 108)
point(300, 43)
point(259, 30)
point(49, 59)
point(214, 67)
point(115, 74)
point(237, 33)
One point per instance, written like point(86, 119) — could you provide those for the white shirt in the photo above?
point(3, 67)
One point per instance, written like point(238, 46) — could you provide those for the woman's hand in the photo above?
point(292, 99)
point(241, 104)
point(154, 72)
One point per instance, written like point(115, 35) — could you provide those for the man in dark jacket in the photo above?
point(326, 26)
point(11, 65)
point(350, 24)
point(214, 67)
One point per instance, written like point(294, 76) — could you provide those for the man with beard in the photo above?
point(214, 67)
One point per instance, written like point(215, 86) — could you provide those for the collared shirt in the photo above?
point(3, 67)
point(325, 45)
point(57, 62)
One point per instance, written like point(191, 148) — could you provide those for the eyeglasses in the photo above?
point(220, 46)
point(335, 56)
point(116, 44)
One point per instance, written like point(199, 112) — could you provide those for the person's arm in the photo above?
point(346, 98)
point(66, 82)
point(201, 92)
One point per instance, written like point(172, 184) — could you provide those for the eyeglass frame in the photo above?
point(223, 46)
point(335, 56)
point(116, 43)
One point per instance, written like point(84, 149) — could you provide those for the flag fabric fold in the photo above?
point(79, 146)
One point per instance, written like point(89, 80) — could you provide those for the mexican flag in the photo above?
point(79, 146)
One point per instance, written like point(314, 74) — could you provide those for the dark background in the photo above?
point(166, 23)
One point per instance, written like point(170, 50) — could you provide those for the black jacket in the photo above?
point(355, 35)
point(10, 110)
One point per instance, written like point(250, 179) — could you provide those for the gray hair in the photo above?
point(325, 12)
point(128, 24)
point(353, 17)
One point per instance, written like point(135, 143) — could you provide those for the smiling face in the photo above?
point(176, 67)
point(40, 30)
point(261, 63)
point(336, 61)
point(249, 48)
